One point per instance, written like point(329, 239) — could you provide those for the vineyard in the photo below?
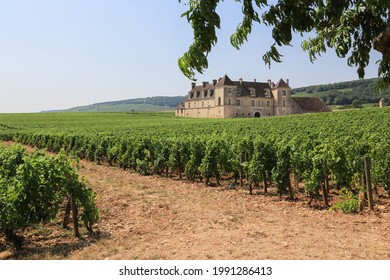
point(348, 151)
point(33, 187)
point(265, 175)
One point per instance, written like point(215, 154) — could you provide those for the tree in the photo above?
point(350, 27)
point(356, 103)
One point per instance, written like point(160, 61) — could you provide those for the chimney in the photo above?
point(204, 84)
point(288, 82)
point(269, 82)
point(254, 80)
point(193, 84)
point(240, 80)
point(214, 82)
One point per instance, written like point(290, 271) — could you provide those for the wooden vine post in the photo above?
point(71, 205)
point(367, 170)
point(75, 217)
point(67, 213)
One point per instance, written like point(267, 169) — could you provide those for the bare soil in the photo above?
point(152, 217)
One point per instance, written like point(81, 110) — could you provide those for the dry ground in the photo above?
point(151, 217)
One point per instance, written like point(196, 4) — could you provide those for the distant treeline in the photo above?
point(166, 101)
point(345, 93)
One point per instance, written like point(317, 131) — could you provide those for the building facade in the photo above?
point(224, 98)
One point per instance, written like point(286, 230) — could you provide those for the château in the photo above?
point(224, 98)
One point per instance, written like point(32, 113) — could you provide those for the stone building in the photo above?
point(224, 98)
point(382, 103)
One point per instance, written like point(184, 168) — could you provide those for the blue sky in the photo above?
point(57, 54)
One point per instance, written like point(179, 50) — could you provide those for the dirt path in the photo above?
point(158, 218)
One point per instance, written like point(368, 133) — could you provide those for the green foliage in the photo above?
point(316, 148)
point(346, 92)
point(349, 27)
point(357, 103)
point(33, 187)
point(348, 204)
point(282, 169)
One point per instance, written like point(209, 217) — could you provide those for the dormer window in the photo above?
point(267, 93)
point(252, 91)
point(238, 92)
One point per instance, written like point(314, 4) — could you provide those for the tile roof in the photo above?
point(260, 88)
point(201, 91)
point(281, 83)
point(225, 81)
point(311, 104)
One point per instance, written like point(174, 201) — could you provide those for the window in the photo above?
point(284, 103)
point(252, 103)
point(229, 91)
point(205, 93)
point(268, 103)
point(242, 114)
point(249, 114)
point(189, 105)
point(236, 114)
point(229, 102)
point(238, 102)
point(219, 101)
point(259, 103)
point(238, 92)
point(284, 93)
point(267, 93)
point(252, 91)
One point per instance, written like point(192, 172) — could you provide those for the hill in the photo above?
point(148, 104)
point(344, 93)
